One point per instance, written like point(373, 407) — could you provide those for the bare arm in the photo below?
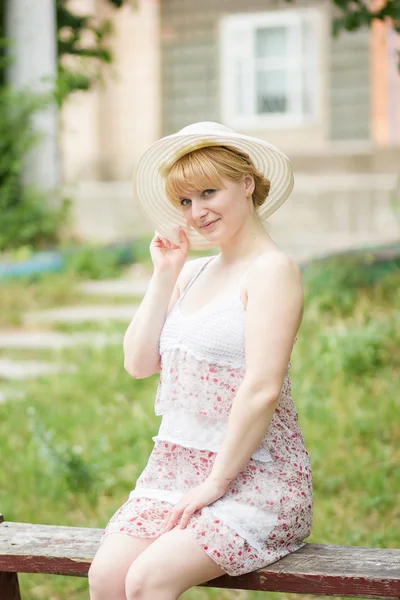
point(141, 340)
point(170, 276)
point(274, 313)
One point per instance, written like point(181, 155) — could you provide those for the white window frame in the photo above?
point(237, 40)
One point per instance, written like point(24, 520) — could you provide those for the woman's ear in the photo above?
point(249, 185)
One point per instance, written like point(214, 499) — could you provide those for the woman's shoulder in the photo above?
point(189, 270)
point(270, 264)
point(273, 260)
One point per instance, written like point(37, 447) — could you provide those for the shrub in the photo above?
point(26, 215)
point(359, 351)
point(334, 284)
point(93, 262)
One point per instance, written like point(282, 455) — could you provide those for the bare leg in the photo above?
point(111, 563)
point(174, 563)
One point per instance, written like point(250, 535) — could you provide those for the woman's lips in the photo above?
point(206, 227)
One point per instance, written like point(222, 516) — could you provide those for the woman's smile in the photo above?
point(210, 225)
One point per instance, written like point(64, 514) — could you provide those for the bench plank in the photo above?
point(9, 584)
point(314, 569)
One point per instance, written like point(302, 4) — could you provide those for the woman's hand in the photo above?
point(166, 255)
point(200, 496)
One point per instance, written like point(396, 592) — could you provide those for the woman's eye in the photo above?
point(208, 192)
point(185, 200)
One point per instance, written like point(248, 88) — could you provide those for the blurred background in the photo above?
point(85, 87)
point(127, 73)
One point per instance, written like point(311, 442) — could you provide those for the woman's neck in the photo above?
point(245, 246)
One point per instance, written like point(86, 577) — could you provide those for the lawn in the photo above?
point(74, 444)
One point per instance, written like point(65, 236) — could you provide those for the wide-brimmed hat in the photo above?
point(154, 164)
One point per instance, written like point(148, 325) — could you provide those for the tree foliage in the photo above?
point(355, 14)
point(79, 61)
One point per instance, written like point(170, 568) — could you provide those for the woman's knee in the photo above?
point(141, 585)
point(135, 585)
point(106, 580)
point(110, 565)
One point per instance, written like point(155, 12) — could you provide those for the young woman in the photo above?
point(228, 485)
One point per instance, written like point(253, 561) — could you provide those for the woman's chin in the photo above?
point(215, 238)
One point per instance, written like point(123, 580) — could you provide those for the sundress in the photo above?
point(266, 512)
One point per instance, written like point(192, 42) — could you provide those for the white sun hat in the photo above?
point(154, 164)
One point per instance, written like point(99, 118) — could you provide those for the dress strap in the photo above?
point(206, 263)
point(191, 282)
point(241, 280)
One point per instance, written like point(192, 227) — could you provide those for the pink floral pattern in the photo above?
point(193, 384)
point(145, 517)
point(266, 512)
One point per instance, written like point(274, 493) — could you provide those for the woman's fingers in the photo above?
point(183, 239)
point(173, 518)
point(169, 522)
point(187, 513)
point(164, 241)
point(180, 512)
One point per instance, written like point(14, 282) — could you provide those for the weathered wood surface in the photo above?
point(314, 569)
point(9, 585)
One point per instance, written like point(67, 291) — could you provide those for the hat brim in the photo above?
point(149, 179)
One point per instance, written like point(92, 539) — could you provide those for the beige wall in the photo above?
point(323, 213)
point(105, 130)
point(342, 196)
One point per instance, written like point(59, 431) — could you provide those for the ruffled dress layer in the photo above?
point(266, 512)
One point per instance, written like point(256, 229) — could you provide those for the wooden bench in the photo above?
point(314, 569)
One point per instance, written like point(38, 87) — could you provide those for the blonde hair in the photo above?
point(205, 167)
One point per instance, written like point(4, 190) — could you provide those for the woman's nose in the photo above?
point(198, 210)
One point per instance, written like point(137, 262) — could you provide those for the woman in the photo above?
point(228, 487)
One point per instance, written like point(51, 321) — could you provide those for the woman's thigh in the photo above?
point(173, 564)
point(111, 563)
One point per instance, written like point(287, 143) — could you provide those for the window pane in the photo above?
point(271, 42)
point(306, 91)
point(272, 96)
point(241, 89)
point(309, 67)
point(307, 38)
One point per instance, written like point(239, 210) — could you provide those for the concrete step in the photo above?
point(45, 340)
point(75, 314)
point(10, 395)
point(115, 287)
point(21, 369)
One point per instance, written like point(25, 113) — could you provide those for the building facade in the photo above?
point(267, 68)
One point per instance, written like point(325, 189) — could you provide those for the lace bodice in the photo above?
point(202, 367)
point(215, 333)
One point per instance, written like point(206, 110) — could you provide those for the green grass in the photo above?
point(75, 444)
point(36, 354)
point(105, 326)
point(29, 293)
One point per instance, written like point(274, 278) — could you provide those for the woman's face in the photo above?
point(226, 208)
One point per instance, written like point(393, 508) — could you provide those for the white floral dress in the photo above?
point(266, 512)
